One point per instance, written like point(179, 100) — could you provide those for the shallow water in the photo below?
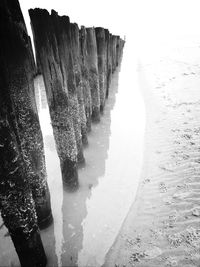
point(87, 222)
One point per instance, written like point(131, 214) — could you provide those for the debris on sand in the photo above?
point(150, 253)
point(137, 256)
point(187, 136)
point(196, 212)
point(147, 180)
point(171, 262)
point(167, 200)
point(190, 236)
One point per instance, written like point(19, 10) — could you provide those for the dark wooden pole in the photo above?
point(92, 63)
point(19, 71)
point(21, 199)
point(85, 77)
point(76, 50)
point(55, 62)
point(101, 52)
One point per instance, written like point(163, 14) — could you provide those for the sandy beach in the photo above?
point(163, 225)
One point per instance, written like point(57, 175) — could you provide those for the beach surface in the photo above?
point(163, 225)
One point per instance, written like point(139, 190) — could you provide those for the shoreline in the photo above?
point(162, 226)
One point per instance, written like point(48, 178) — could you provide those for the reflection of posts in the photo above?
point(92, 64)
point(73, 230)
point(50, 38)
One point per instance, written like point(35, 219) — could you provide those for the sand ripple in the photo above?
point(163, 225)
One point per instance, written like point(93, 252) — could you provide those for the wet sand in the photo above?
point(163, 224)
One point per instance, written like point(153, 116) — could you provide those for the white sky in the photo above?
point(144, 22)
point(145, 16)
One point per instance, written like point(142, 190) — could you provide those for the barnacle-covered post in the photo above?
point(120, 46)
point(20, 160)
point(53, 61)
point(92, 63)
point(85, 77)
point(62, 30)
point(101, 53)
point(16, 201)
point(117, 50)
point(114, 53)
point(17, 53)
point(74, 84)
point(76, 52)
point(108, 61)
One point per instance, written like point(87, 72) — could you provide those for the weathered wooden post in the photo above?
point(85, 77)
point(108, 61)
point(121, 46)
point(101, 52)
point(16, 201)
point(76, 51)
point(53, 61)
point(117, 50)
point(21, 68)
point(114, 44)
point(92, 63)
point(70, 67)
point(24, 194)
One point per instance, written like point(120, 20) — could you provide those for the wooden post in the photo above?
point(20, 161)
point(18, 71)
point(85, 77)
point(101, 52)
point(92, 63)
point(76, 51)
point(54, 61)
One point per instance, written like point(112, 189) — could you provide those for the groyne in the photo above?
point(77, 65)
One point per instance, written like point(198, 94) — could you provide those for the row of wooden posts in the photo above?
point(77, 66)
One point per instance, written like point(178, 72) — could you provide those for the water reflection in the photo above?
point(75, 209)
point(111, 199)
point(86, 222)
point(69, 209)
